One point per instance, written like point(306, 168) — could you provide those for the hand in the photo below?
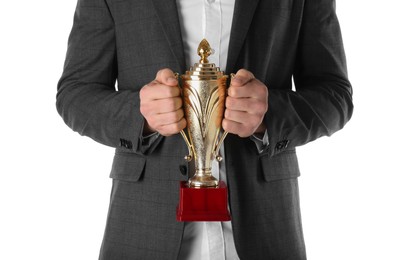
point(246, 105)
point(161, 105)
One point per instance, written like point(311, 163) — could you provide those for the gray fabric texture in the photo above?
point(129, 41)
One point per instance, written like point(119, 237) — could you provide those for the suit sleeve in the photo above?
point(86, 97)
point(322, 102)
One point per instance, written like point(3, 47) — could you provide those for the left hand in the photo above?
point(245, 105)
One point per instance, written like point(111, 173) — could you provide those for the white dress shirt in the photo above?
point(212, 20)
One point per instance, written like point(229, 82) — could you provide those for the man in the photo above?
point(140, 44)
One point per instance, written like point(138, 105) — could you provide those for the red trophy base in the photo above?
point(203, 204)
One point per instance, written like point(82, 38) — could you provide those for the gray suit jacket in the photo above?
point(129, 41)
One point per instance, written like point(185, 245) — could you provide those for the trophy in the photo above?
point(203, 197)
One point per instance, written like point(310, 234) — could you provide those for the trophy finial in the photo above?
point(204, 50)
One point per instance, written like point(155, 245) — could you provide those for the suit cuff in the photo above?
point(147, 142)
point(261, 144)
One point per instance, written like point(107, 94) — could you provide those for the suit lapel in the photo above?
point(168, 16)
point(243, 13)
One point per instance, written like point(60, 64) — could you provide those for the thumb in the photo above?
point(166, 76)
point(242, 77)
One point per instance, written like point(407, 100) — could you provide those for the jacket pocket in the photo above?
point(127, 167)
point(281, 166)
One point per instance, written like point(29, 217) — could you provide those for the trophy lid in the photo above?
point(203, 70)
point(204, 51)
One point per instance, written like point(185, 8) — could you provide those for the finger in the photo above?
point(237, 116)
point(160, 120)
point(248, 122)
point(171, 129)
point(155, 90)
point(238, 104)
point(249, 105)
point(252, 89)
point(166, 76)
point(245, 91)
point(236, 128)
point(160, 106)
point(242, 77)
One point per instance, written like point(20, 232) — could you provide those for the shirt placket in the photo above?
point(212, 27)
point(212, 32)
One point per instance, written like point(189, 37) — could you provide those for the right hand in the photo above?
point(161, 105)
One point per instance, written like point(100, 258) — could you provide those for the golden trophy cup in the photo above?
point(203, 197)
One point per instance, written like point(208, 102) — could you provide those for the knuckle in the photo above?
point(264, 91)
point(152, 126)
point(145, 109)
point(232, 91)
point(242, 72)
point(233, 128)
point(227, 113)
point(142, 92)
point(180, 114)
point(167, 71)
point(254, 121)
point(174, 117)
point(246, 131)
point(162, 130)
point(164, 133)
point(226, 125)
point(173, 128)
point(245, 73)
point(152, 122)
point(178, 102)
point(262, 107)
point(149, 85)
point(182, 124)
point(265, 108)
point(163, 74)
point(159, 73)
point(229, 102)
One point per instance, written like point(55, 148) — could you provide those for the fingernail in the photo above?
point(172, 80)
point(236, 80)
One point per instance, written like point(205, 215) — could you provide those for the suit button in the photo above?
point(281, 145)
point(126, 143)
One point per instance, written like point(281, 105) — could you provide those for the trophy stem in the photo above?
point(203, 179)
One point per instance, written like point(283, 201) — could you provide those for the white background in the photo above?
point(54, 185)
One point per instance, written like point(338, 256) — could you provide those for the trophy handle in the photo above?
point(216, 154)
point(188, 157)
